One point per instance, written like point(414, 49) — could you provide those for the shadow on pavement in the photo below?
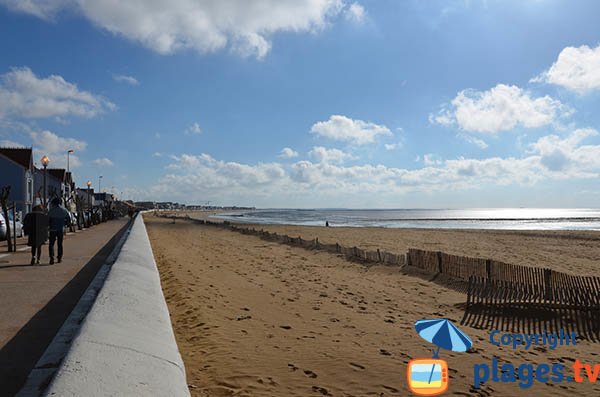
point(21, 353)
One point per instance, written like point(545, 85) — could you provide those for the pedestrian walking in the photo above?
point(58, 217)
point(36, 229)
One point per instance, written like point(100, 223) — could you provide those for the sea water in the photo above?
point(475, 218)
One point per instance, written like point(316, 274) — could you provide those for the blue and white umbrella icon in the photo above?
point(442, 333)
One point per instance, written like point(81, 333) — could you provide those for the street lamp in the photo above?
point(68, 153)
point(99, 180)
point(89, 185)
point(45, 160)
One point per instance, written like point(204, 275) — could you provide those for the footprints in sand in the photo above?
point(356, 366)
point(309, 373)
point(316, 313)
point(312, 375)
point(321, 390)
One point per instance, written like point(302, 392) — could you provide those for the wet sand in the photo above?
point(256, 318)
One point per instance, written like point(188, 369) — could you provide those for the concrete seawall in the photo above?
point(126, 345)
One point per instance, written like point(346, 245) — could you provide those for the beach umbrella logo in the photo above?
point(429, 376)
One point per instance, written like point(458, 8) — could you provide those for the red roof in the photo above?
point(21, 156)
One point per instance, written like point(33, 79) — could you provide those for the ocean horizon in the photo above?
point(473, 218)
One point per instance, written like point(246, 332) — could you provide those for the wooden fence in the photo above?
point(497, 282)
point(349, 253)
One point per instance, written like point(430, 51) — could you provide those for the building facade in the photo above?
point(17, 171)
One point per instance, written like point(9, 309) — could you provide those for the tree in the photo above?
point(4, 193)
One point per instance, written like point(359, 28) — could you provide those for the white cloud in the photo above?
point(576, 69)
point(157, 154)
point(165, 26)
point(501, 108)
point(55, 147)
point(44, 9)
point(431, 159)
point(11, 144)
point(393, 146)
point(567, 155)
point(324, 155)
point(288, 153)
point(194, 129)
point(121, 78)
point(103, 162)
point(473, 140)
point(24, 95)
point(342, 128)
point(355, 12)
point(307, 183)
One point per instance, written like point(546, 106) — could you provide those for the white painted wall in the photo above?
point(126, 345)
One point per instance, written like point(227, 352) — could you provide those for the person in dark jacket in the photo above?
point(36, 228)
point(58, 217)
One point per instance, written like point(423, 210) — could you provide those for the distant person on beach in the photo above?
point(326, 223)
point(58, 217)
point(36, 228)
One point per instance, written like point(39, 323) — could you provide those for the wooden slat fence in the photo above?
point(350, 253)
point(496, 284)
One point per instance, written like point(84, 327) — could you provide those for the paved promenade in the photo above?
point(36, 300)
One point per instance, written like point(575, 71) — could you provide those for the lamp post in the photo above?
point(45, 160)
point(99, 181)
point(89, 185)
point(68, 153)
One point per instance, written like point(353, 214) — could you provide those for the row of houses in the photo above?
point(18, 170)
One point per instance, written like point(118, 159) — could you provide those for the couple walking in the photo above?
point(37, 224)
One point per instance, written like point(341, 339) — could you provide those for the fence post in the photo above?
point(379, 255)
point(439, 259)
point(317, 242)
point(548, 284)
point(488, 268)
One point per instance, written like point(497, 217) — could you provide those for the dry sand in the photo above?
point(256, 318)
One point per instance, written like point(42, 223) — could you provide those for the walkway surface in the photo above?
point(36, 300)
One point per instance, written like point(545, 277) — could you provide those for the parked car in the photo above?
point(2, 227)
point(18, 226)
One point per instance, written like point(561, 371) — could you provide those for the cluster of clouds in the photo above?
point(505, 107)
point(325, 172)
point(55, 147)
point(501, 108)
point(168, 26)
point(345, 129)
point(551, 157)
point(246, 28)
point(25, 95)
point(576, 69)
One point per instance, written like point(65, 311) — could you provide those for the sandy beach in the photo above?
point(256, 318)
point(575, 252)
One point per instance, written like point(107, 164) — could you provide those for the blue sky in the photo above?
point(316, 103)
